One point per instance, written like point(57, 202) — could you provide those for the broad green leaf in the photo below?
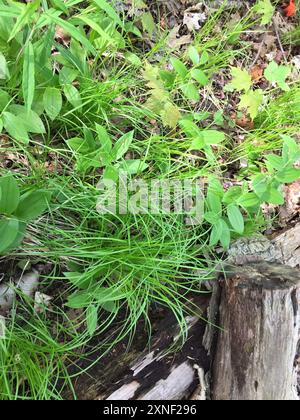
point(194, 55)
point(24, 17)
point(4, 99)
point(91, 319)
point(170, 115)
point(148, 23)
point(288, 175)
point(204, 58)
point(225, 236)
point(276, 162)
point(266, 9)
point(179, 67)
point(133, 166)
point(241, 79)
point(111, 173)
point(214, 202)
point(190, 91)
point(67, 76)
point(122, 145)
point(206, 138)
point(216, 233)
point(78, 145)
point(9, 229)
point(28, 81)
point(249, 200)
point(236, 218)
point(4, 72)
point(32, 205)
point(232, 195)
point(260, 184)
point(251, 101)
point(200, 76)
point(274, 196)
point(10, 194)
point(52, 101)
point(30, 120)
point(104, 138)
point(15, 127)
point(290, 149)
point(109, 10)
point(190, 129)
point(278, 74)
point(73, 96)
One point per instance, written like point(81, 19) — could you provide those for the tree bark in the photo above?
point(260, 320)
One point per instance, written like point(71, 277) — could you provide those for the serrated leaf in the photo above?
point(241, 79)
point(52, 101)
point(170, 115)
point(266, 9)
point(190, 91)
point(10, 194)
point(251, 101)
point(278, 74)
point(28, 80)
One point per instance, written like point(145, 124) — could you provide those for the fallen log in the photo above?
point(255, 351)
point(163, 370)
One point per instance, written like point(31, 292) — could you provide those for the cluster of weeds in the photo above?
point(84, 98)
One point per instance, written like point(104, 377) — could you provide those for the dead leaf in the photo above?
point(291, 207)
point(256, 73)
point(176, 41)
point(193, 21)
point(242, 120)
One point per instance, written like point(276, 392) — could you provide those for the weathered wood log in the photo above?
point(163, 370)
point(256, 348)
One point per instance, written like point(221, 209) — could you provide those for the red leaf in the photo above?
point(290, 10)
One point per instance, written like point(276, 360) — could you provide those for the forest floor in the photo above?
point(176, 94)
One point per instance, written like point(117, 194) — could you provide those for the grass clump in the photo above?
point(88, 92)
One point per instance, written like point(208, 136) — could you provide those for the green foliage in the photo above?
point(266, 9)
point(16, 210)
point(229, 212)
point(278, 74)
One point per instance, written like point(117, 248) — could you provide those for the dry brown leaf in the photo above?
point(256, 73)
point(291, 207)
